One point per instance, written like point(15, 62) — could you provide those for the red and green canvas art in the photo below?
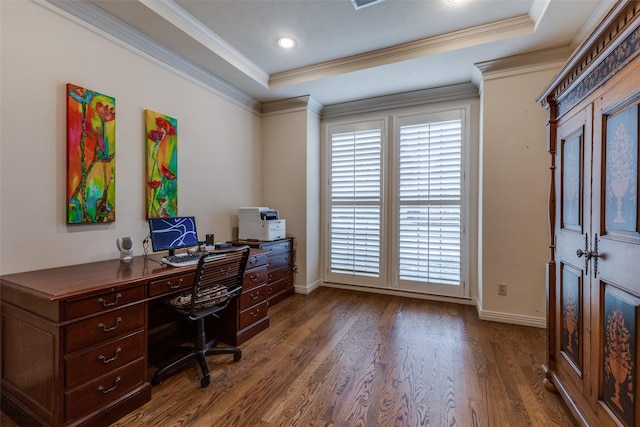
point(91, 151)
point(162, 165)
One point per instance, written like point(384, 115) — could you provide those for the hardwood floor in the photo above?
point(345, 358)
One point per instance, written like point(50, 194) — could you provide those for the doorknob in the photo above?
point(586, 253)
point(594, 254)
point(590, 254)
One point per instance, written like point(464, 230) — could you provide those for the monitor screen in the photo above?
point(173, 233)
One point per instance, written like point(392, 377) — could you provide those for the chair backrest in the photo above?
point(218, 278)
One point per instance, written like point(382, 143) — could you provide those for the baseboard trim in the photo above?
point(516, 319)
point(307, 289)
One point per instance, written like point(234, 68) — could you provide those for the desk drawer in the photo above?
point(102, 302)
point(170, 284)
point(253, 296)
point(252, 315)
point(104, 390)
point(279, 260)
point(103, 327)
point(279, 274)
point(254, 277)
point(276, 287)
point(257, 260)
point(274, 248)
point(104, 358)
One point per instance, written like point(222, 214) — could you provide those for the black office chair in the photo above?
point(217, 281)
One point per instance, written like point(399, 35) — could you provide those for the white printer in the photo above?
point(260, 223)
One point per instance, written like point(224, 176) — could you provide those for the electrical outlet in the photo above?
point(502, 289)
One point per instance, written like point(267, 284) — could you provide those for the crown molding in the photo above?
point(182, 20)
point(512, 27)
point(401, 100)
point(537, 10)
point(522, 64)
point(300, 103)
point(106, 25)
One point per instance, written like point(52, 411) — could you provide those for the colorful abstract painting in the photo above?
point(162, 165)
point(91, 162)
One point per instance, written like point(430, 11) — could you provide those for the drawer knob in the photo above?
point(109, 304)
point(104, 359)
point(104, 327)
point(176, 286)
point(255, 313)
point(253, 277)
point(254, 296)
point(109, 390)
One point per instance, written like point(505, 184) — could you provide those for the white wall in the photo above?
point(219, 142)
point(514, 235)
point(312, 235)
point(291, 183)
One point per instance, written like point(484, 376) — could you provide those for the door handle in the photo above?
point(595, 255)
point(590, 254)
point(586, 253)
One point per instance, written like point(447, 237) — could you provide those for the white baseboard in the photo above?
point(307, 289)
point(516, 319)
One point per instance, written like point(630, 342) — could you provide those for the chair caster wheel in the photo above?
point(204, 383)
point(237, 357)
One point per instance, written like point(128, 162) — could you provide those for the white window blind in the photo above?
point(355, 192)
point(429, 201)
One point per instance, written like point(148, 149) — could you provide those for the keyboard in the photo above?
point(182, 260)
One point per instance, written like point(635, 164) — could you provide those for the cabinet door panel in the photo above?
point(572, 296)
point(615, 273)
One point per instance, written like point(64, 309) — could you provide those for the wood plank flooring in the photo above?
point(346, 358)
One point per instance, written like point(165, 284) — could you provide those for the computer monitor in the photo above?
point(169, 234)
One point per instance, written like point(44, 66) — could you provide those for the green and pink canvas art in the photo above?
point(162, 165)
point(91, 156)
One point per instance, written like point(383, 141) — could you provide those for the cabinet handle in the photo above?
point(104, 360)
point(109, 304)
point(253, 277)
point(109, 390)
point(105, 329)
point(254, 314)
point(172, 286)
point(270, 291)
point(254, 296)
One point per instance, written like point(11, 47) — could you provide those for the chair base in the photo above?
point(201, 357)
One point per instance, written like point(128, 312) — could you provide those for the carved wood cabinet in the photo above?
point(593, 275)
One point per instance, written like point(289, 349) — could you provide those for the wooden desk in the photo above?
point(75, 338)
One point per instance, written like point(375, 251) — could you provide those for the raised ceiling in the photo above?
point(343, 54)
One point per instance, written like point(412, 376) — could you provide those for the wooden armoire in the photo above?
point(593, 275)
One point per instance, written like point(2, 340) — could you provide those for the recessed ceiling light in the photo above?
point(286, 42)
point(455, 1)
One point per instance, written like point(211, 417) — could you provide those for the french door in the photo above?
point(395, 198)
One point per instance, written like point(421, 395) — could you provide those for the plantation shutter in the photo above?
point(429, 199)
point(355, 193)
